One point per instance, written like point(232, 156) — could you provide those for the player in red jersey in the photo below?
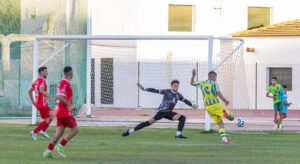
point(39, 86)
point(63, 112)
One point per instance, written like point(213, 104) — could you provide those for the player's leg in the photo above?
point(45, 127)
point(158, 116)
point(41, 125)
point(59, 132)
point(48, 120)
point(276, 116)
point(72, 133)
point(227, 114)
point(283, 115)
point(141, 126)
point(216, 113)
point(221, 129)
point(181, 119)
point(276, 120)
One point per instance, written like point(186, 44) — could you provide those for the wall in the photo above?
point(113, 16)
point(271, 52)
point(146, 17)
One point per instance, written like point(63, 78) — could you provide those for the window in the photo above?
point(284, 76)
point(107, 81)
point(259, 17)
point(181, 18)
point(93, 81)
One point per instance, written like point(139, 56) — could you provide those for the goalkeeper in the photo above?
point(165, 110)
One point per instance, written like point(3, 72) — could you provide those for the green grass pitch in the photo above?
point(105, 145)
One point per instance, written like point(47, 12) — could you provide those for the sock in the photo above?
point(222, 134)
point(130, 131)
point(46, 126)
point(63, 142)
point(181, 123)
point(141, 125)
point(178, 133)
point(51, 147)
point(40, 127)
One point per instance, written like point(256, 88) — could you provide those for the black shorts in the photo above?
point(167, 115)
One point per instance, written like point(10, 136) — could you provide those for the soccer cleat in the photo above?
point(44, 134)
point(280, 126)
point(181, 137)
point(61, 151)
point(228, 115)
point(227, 142)
point(275, 127)
point(125, 134)
point(33, 136)
point(48, 154)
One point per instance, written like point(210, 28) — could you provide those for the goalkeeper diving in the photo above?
point(213, 106)
point(165, 110)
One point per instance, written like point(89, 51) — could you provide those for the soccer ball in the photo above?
point(241, 122)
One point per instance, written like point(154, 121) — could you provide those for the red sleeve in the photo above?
point(42, 83)
point(33, 85)
point(62, 88)
point(36, 82)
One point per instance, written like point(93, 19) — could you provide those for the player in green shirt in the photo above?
point(273, 92)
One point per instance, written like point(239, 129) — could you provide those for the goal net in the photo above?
point(107, 68)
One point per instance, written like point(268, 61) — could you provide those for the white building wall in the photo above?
point(271, 52)
point(146, 17)
point(152, 16)
point(113, 16)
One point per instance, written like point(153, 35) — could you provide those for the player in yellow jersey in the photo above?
point(213, 106)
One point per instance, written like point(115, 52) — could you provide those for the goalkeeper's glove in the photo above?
point(195, 106)
point(140, 86)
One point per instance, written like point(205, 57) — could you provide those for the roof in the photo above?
point(289, 28)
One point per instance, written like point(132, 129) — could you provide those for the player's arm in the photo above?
point(220, 95)
point(192, 82)
point(187, 102)
point(284, 100)
point(44, 93)
point(61, 98)
point(153, 90)
point(30, 93)
point(286, 103)
point(268, 95)
point(215, 89)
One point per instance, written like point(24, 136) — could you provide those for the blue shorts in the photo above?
point(278, 106)
point(284, 109)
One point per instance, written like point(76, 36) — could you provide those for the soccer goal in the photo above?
point(108, 67)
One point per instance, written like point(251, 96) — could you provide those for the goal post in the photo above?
point(116, 45)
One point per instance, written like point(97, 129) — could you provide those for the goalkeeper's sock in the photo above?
point(130, 131)
point(181, 123)
point(223, 134)
point(141, 125)
point(178, 133)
